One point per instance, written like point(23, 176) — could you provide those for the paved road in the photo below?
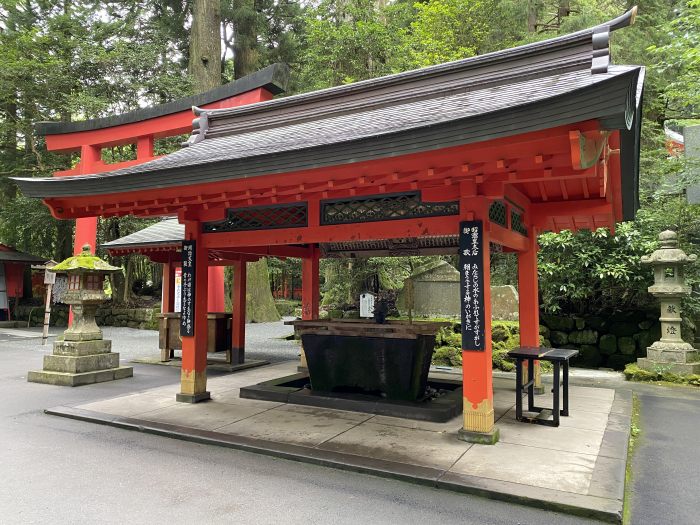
point(55, 470)
point(666, 465)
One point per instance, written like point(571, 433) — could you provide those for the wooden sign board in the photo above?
point(471, 277)
point(187, 288)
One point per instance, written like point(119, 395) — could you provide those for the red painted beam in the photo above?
point(445, 165)
point(164, 126)
point(336, 233)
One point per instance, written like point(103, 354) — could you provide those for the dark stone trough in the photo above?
point(296, 389)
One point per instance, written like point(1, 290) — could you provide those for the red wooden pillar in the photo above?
point(215, 301)
point(529, 306)
point(310, 284)
point(167, 304)
point(477, 375)
point(238, 295)
point(86, 227)
point(144, 148)
point(193, 376)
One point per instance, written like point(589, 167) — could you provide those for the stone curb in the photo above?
point(591, 506)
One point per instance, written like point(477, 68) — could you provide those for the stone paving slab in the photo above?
point(298, 425)
point(404, 445)
point(577, 467)
point(528, 465)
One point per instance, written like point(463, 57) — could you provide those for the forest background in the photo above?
point(81, 59)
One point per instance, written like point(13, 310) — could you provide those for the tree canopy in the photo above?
point(78, 59)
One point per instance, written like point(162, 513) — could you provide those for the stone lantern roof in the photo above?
point(83, 263)
point(669, 252)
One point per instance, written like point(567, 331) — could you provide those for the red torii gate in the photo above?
point(142, 127)
point(540, 137)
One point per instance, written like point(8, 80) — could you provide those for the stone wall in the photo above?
point(142, 318)
point(603, 341)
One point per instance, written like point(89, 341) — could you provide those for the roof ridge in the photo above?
point(274, 78)
point(598, 58)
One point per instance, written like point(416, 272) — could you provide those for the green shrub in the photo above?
point(286, 307)
point(634, 373)
point(447, 356)
point(505, 337)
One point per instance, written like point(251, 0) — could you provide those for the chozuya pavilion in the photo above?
point(539, 137)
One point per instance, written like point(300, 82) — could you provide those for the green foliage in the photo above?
point(344, 279)
point(594, 271)
point(346, 41)
point(677, 59)
point(447, 30)
point(288, 308)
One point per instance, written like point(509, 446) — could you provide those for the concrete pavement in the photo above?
point(57, 470)
point(61, 470)
point(578, 467)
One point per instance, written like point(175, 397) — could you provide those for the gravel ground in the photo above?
point(263, 341)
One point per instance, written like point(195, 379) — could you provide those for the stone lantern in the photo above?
point(82, 356)
point(671, 353)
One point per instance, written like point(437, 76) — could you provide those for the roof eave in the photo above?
point(274, 78)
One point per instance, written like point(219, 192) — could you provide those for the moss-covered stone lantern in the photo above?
point(671, 353)
point(82, 356)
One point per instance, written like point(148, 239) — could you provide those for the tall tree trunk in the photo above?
point(245, 38)
point(205, 45)
point(259, 303)
point(564, 9)
point(205, 42)
point(532, 12)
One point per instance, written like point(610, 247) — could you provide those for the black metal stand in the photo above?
point(560, 360)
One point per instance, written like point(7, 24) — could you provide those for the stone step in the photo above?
point(79, 364)
point(79, 348)
point(85, 378)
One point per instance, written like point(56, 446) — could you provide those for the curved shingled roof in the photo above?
point(560, 81)
point(273, 78)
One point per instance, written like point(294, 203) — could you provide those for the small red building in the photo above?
point(12, 267)
point(540, 137)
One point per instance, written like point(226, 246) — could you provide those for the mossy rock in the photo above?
point(562, 324)
point(620, 361)
point(595, 322)
point(580, 323)
point(544, 331)
point(627, 345)
point(644, 340)
point(584, 337)
point(500, 357)
point(589, 356)
point(634, 373)
point(447, 356)
point(500, 333)
point(646, 324)
point(558, 338)
point(446, 337)
point(286, 308)
point(607, 344)
point(621, 327)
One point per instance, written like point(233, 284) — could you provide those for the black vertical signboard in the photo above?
point(471, 280)
point(187, 288)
